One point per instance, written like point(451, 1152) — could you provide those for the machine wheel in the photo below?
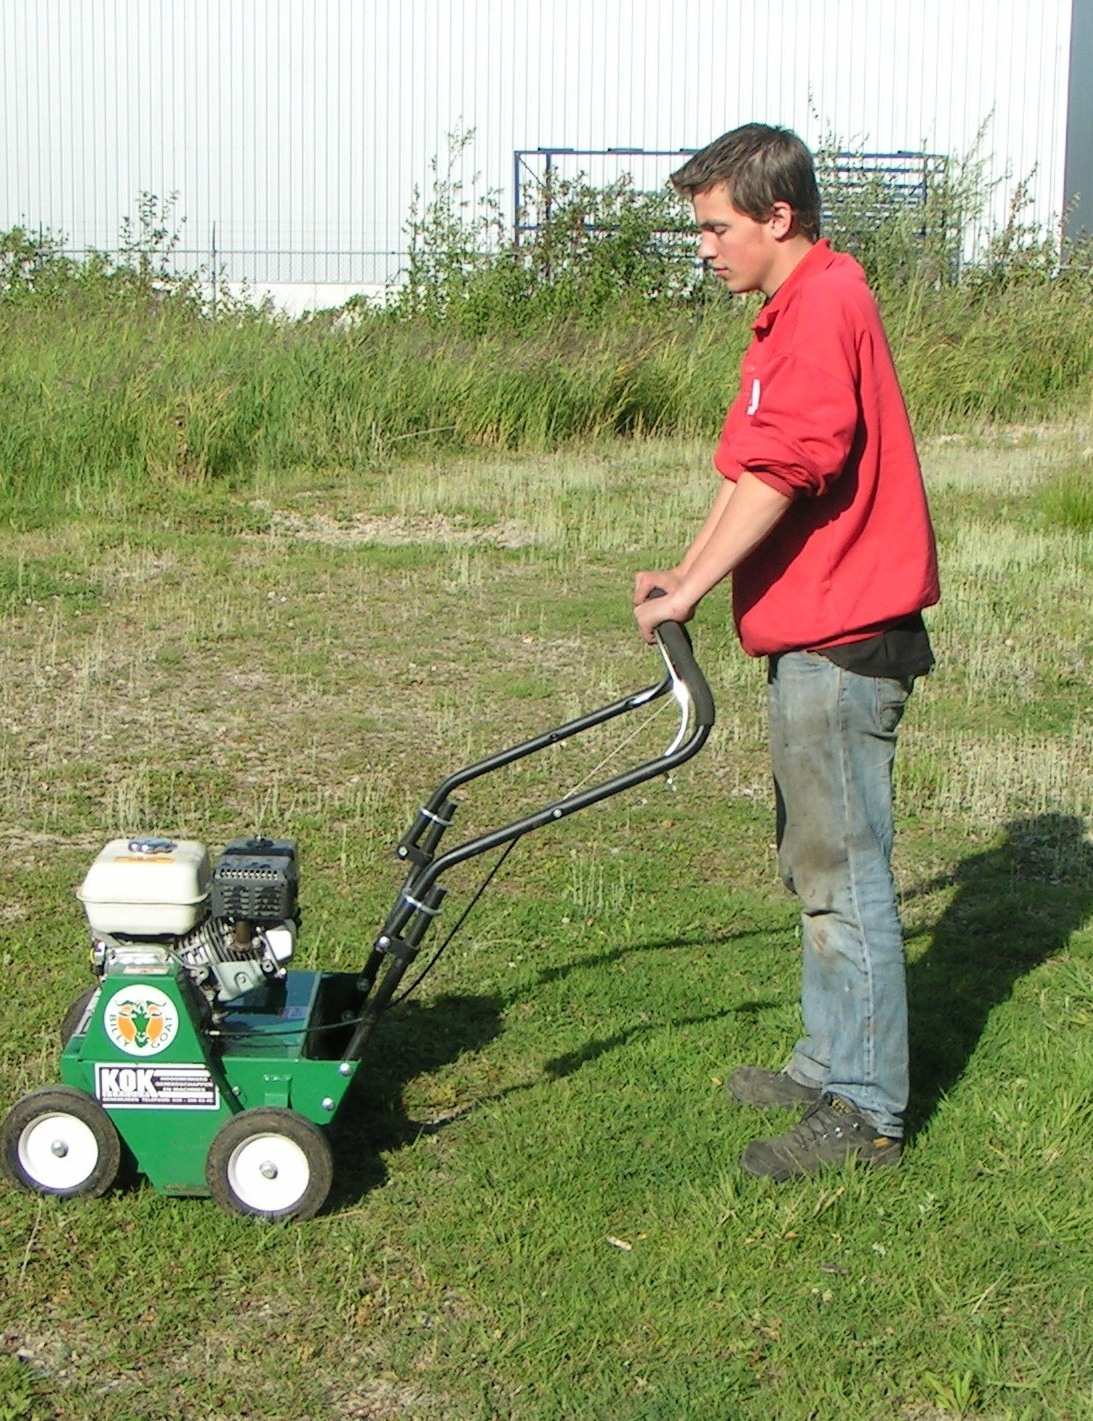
point(60, 1141)
point(270, 1163)
point(74, 1015)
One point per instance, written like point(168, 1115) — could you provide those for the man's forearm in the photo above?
point(713, 518)
point(743, 520)
point(743, 514)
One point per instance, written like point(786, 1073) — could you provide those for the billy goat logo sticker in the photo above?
point(142, 1021)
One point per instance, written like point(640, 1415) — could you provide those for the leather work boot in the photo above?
point(826, 1136)
point(767, 1090)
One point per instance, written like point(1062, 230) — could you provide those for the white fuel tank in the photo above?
point(146, 887)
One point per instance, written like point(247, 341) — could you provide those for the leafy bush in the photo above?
point(33, 264)
point(586, 252)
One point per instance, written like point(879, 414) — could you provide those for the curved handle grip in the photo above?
point(679, 655)
point(675, 645)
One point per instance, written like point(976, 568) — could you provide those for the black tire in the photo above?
point(270, 1163)
point(74, 1015)
point(60, 1141)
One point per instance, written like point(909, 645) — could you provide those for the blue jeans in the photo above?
point(833, 743)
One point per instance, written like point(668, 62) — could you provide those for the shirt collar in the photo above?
point(818, 258)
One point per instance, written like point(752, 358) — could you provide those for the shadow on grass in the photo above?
point(1016, 905)
point(700, 940)
point(415, 1039)
point(572, 1061)
point(411, 1040)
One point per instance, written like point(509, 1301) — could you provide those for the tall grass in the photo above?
point(116, 375)
point(102, 403)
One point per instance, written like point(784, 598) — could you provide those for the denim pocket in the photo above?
point(891, 699)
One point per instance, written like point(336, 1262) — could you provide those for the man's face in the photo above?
point(741, 252)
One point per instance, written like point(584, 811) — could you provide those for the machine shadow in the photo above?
point(416, 1038)
point(1016, 905)
point(411, 1040)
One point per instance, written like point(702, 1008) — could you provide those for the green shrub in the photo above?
point(586, 253)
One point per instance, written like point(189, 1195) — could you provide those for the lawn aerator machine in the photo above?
point(197, 1054)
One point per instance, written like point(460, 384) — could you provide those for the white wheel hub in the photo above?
point(268, 1173)
point(58, 1151)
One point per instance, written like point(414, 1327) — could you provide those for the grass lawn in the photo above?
point(537, 1211)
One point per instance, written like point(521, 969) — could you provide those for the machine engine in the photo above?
point(232, 923)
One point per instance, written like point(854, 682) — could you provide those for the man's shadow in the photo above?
point(1016, 905)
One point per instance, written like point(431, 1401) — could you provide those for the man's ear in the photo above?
point(782, 220)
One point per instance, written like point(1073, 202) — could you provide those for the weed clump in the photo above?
point(1066, 500)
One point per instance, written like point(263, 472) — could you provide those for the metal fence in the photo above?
point(876, 186)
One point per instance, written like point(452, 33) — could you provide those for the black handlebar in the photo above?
point(675, 642)
point(421, 895)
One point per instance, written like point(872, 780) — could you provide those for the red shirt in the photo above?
point(820, 417)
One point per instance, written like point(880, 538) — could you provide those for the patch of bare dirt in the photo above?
point(396, 529)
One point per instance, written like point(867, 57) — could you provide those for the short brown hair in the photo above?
point(760, 166)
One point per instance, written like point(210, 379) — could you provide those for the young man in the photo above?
point(822, 523)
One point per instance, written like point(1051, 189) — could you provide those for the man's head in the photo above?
point(756, 204)
point(760, 166)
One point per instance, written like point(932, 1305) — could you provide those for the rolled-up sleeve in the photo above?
point(798, 412)
point(799, 436)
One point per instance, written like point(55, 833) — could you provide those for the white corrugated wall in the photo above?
point(297, 130)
